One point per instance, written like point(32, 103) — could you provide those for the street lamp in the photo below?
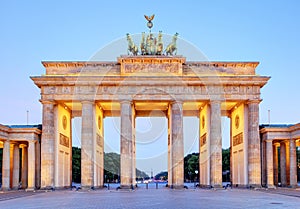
point(196, 172)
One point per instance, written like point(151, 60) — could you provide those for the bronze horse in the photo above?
point(132, 48)
point(171, 48)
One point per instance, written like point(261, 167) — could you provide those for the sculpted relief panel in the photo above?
point(181, 90)
point(173, 68)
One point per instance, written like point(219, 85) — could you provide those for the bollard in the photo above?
point(156, 185)
point(146, 185)
point(108, 186)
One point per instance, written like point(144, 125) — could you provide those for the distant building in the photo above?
point(25, 139)
point(279, 144)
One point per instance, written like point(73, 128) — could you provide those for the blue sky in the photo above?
point(233, 30)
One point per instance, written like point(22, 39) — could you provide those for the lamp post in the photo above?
point(196, 172)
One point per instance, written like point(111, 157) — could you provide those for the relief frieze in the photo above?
point(99, 139)
point(151, 68)
point(203, 140)
point(237, 139)
point(64, 140)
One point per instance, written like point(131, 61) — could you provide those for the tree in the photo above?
point(191, 164)
point(226, 159)
point(76, 164)
point(161, 176)
point(111, 167)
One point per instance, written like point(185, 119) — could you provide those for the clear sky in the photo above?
point(232, 30)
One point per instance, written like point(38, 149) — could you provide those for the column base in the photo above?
point(254, 186)
point(87, 188)
point(5, 189)
point(47, 188)
point(126, 187)
point(178, 187)
point(271, 186)
point(217, 186)
point(31, 189)
point(293, 186)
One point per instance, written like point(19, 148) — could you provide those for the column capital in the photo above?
point(126, 101)
point(286, 141)
point(31, 141)
point(6, 141)
point(47, 102)
point(14, 143)
point(214, 101)
point(268, 140)
point(87, 102)
point(176, 101)
point(256, 101)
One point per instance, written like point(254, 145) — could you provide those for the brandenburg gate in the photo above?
point(135, 86)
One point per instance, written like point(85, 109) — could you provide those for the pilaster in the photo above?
point(170, 170)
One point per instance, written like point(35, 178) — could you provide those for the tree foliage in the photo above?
point(76, 164)
point(191, 165)
point(111, 167)
point(225, 159)
point(161, 176)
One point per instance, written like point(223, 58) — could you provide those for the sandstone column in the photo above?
point(177, 144)
point(287, 161)
point(87, 145)
point(6, 165)
point(283, 164)
point(275, 165)
point(47, 145)
point(270, 163)
point(215, 144)
point(24, 166)
point(16, 169)
point(126, 144)
point(254, 155)
point(133, 147)
point(293, 164)
point(31, 165)
point(38, 164)
point(170, 183)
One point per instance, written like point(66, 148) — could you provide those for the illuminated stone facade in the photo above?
point(25, 139)
point(136, 86)
point(280, 140)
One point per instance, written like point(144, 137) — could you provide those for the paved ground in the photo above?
point(152, 198)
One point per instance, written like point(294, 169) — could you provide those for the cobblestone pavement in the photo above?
point(284, 191)
point(8, 195)
point(152, 198)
